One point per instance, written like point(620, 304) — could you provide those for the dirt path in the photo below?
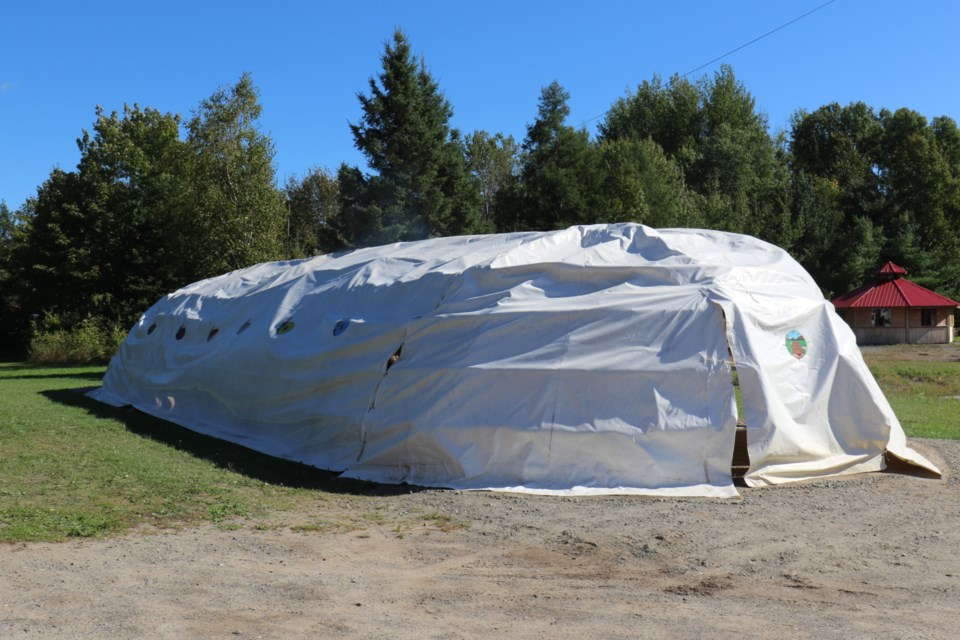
point(875, 556)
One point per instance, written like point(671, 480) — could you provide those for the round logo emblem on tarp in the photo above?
point(796, 344)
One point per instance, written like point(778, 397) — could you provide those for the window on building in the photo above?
point(928, 317)
point(881, 318)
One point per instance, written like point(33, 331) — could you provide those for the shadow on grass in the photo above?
point(93, 376)
point(226, 455)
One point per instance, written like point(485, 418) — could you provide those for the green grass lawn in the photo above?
point(71, 466)
point(924, 395)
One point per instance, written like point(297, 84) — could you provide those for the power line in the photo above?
point(758, 38)
point(743, 46)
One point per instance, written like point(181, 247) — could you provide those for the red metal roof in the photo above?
point(890, 267)
point(899, 292)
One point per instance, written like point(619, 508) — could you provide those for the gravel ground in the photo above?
point(873, 556)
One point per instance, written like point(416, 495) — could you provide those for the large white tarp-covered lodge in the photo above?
point(596, 359)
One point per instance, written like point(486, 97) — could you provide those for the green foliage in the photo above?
point(238, 216)
point(493, 161)
point(90, 340)
point(105, 240)
point(553, 188)
point(147, 211)
point(714, 134)
point(636, 182)
point(840, 144)
point(421, 186)
point(144, 213)
point(896, 181)
point(565, 179)
point(134, 198)
point(312, 207)
point(54, 266)
point(670, 115)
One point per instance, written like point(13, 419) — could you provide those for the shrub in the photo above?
point(88, 341)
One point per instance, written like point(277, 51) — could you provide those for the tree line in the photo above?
point(157, 201)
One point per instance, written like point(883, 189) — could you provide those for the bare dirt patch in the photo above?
point(871, 556)
point(948, 352)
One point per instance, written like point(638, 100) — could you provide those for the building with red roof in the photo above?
point(892, 310)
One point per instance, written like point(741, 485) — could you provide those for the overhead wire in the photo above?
point(758, 38)
point(743, 46)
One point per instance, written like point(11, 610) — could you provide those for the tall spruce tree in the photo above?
point(553, 188)
point(421, 186)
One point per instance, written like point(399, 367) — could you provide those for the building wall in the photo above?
point(904, 327)
point(941, 317)
point(902, 335)
point(863, 318)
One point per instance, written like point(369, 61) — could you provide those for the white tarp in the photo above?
point(590, 360)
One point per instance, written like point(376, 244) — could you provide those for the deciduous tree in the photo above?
point(312, 208)
point(897, 181)
point(103, 240)
point(492, 159)
point(717, 137)
point(238, 212)
point(636, 182)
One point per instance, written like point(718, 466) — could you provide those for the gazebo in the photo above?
point(892, 310)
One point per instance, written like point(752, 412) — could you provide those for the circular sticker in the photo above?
point(796, 344)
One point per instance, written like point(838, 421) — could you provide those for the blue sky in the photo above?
point(309, 59)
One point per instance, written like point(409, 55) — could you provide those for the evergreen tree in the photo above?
point(54, 267)
point(421, 187)
point(554, 186)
